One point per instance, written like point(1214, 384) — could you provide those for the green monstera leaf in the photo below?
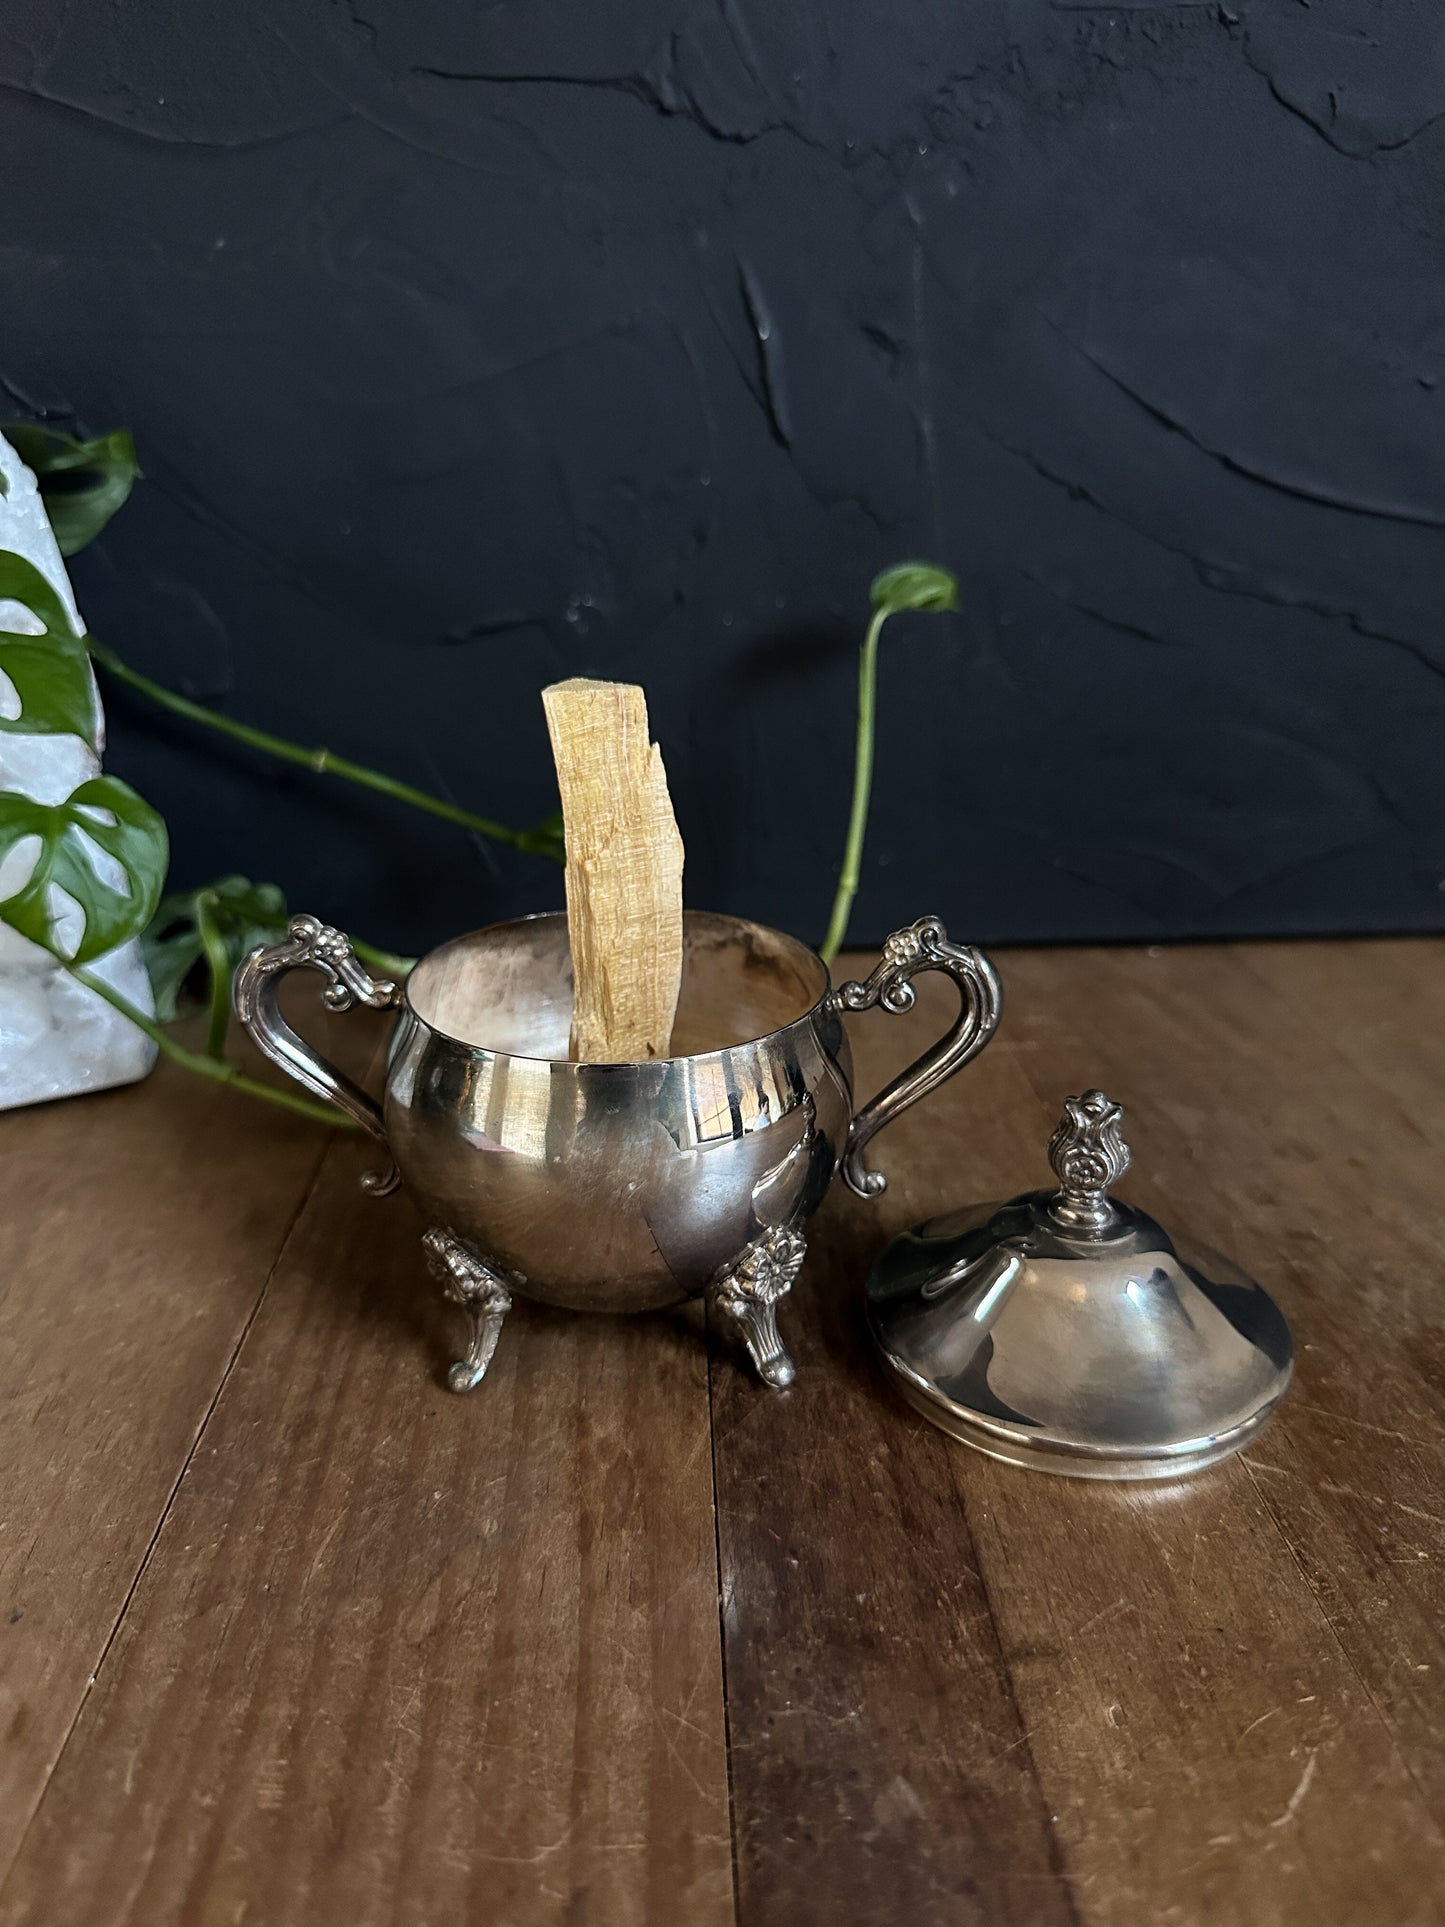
point(50, 672)
point(82, 484)
point(233, 915)
point(914, 585)
point(104, 815)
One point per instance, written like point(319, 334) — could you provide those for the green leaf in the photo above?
point(545, 838)
point(51, 671)
point(914, 585)
point(243, 912)
point(82, 484)
point(108, 815)
point(172, 949)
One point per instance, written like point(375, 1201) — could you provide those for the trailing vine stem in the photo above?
point(218, 1069)
point(82, 484)
point(921, 586)
point(385, 961)
point(862, 791)
point(218, 968)
point(323, 762)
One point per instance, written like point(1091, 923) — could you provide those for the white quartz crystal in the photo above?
point(56, 1037)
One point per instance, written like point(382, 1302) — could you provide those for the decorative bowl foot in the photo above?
point(748, 1292)
point(482, 1295)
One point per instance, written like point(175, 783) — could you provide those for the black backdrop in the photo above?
point(470, 346)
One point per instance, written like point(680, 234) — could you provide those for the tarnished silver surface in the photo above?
point(621, 1187)
point(1066, 1331)
point(482, 1295)
point(906, 955)
point(313, 945)
point(748, 1292)
point(1088, 1156)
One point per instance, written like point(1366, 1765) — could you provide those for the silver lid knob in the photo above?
point(1088, 1155)
point(1067, 1331)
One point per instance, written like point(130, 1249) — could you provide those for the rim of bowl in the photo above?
point(621, 1064)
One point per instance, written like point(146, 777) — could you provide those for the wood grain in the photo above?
point(137, 1228)
point(1322, 1174)
point(399, 1657)
point(881, 1770)
point(1253, 1128)
point(407, 1657)
point(1190, 1740)
point(624, 871)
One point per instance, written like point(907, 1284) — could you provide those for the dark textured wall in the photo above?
point(469, 346)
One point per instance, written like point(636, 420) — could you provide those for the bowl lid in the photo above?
point(1068, 1331)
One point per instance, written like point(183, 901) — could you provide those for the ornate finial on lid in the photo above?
point(1069, 1332)
point(1088, 1155)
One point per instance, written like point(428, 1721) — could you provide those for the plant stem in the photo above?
point(322, 761)
point(386, 961)
point(862, 790)
point(217, 1069)
point(218, 965)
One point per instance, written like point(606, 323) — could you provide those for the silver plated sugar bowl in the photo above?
point(619, 1187)
point(1068, 1332)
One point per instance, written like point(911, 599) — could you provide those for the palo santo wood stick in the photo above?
point(624, 872)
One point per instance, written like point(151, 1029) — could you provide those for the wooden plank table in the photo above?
point(290, 1634)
